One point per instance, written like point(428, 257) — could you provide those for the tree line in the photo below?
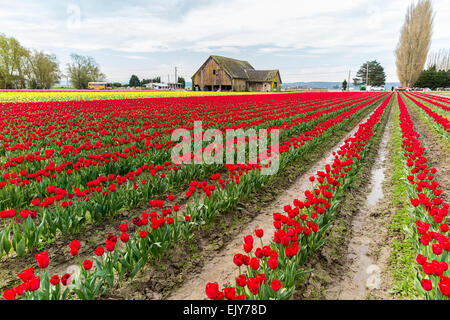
point(135, 82)
point(437, 74)
point(22, 68)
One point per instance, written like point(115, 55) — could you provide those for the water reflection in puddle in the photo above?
point(376, 194)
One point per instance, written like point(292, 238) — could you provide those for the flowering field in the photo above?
point(68, 95)
point(94, 191)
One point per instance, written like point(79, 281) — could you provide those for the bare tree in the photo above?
point(414, 43)
point(439, 59)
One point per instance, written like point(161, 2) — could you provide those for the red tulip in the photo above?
point(259, 233)
point(65, 279)
point(87, 264)
point(254, 263)
point(74, 247)
point(42, 259)
point(124, 237)
point(99, 251)
point(276, 285)
point(26, 274)
point(33, 284)
point(212, 291)
point(273, 263)
point(143, 233)
point(9, 294)
point(427, 285)
point(253, 285)
point(54, 280)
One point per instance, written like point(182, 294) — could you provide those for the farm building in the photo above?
point(227, 74)
point(164, 86)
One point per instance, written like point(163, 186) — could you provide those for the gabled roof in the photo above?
point(261, 75)
point(235, 68)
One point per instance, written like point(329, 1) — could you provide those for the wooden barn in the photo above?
point(227, 74)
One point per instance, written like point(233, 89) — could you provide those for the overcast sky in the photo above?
point(313, 40)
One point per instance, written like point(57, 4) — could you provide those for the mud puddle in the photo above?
point(366, 258)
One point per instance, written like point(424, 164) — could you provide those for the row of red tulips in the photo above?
point(442, 122)
point(429, 214)
point(432, 100)
point(437, 97)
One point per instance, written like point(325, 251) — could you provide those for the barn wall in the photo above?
point(278, 82)
point(207, 80)
point(258, 86)
point(264, 86)
point(239, 85)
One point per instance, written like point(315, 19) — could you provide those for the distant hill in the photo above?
point(313, 85)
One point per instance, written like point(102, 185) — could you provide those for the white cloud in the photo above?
point(135, 57)
point(303, 28)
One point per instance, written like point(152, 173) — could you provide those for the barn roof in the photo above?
point(236, 68)
point(261, 75)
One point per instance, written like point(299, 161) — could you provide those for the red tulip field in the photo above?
point(129, 198)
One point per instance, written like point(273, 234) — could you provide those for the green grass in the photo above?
point(402, 259)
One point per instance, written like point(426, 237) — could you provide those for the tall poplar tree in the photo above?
point(414, 43)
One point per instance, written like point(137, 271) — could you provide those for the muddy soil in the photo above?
point(353, 264)
point(367, 254)
point(438, 154)
point(220, 267)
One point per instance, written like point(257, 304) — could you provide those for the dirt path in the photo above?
point(366, 261)
point(220, 268)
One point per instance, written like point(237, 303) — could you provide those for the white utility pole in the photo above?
point(367, 75)
point(176, 79)
point(348, 83)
